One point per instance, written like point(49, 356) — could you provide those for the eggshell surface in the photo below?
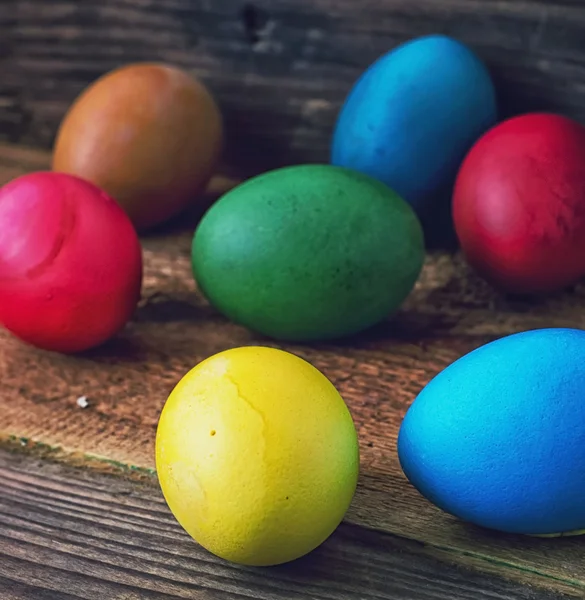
point(519, 204)
point(308, 252)
point(412, 116)
point(70, 262)
point(498, 438)
point(257, 455)
point(148, 134)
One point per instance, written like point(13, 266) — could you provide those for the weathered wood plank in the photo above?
point(280, 68)
point(379, 373)
point(67, 534)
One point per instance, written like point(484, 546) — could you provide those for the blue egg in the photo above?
point(498, 438)
point(413, 115)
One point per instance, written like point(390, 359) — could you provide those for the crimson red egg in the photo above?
point(519, 204)
point(70, 262)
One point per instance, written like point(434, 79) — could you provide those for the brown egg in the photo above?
point(148, 134)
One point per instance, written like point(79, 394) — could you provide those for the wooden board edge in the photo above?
point(450, 554)
point(75, 458)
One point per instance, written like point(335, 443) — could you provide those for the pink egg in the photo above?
point(70, 262)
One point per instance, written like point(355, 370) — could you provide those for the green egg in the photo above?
point(307, 253)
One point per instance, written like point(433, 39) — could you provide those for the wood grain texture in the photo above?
point(379, 373)
point(279, 68)
point(67, 534)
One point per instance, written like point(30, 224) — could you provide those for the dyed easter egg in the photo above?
point(519, 204)
point(498, 438)
point(148, 134)
point(412, 116)
point(257, 455)
point(308, 252)
point(70, 262)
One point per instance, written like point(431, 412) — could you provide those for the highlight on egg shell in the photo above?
point(519, 204)
point(149, 134)
point(309, 252)
point(70, 262)
point(257, 455)
point(498, 438)
point(412, 116)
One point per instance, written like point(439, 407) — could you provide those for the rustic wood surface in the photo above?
point(279, 68)
point(68, 534)
point(379, 373)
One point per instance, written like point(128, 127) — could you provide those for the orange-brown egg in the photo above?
point(148, 134)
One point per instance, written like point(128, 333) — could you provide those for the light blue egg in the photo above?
point(413, 115)
point(498, 438)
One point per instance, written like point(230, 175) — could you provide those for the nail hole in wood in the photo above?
point(254, 21)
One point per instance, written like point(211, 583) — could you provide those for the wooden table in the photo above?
point(81, 515)
point(71, 533)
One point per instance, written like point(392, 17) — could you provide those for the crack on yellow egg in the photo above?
point(243, 398)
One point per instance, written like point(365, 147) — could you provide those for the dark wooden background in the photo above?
point(279, 68)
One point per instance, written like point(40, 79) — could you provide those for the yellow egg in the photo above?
point(257, 455)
